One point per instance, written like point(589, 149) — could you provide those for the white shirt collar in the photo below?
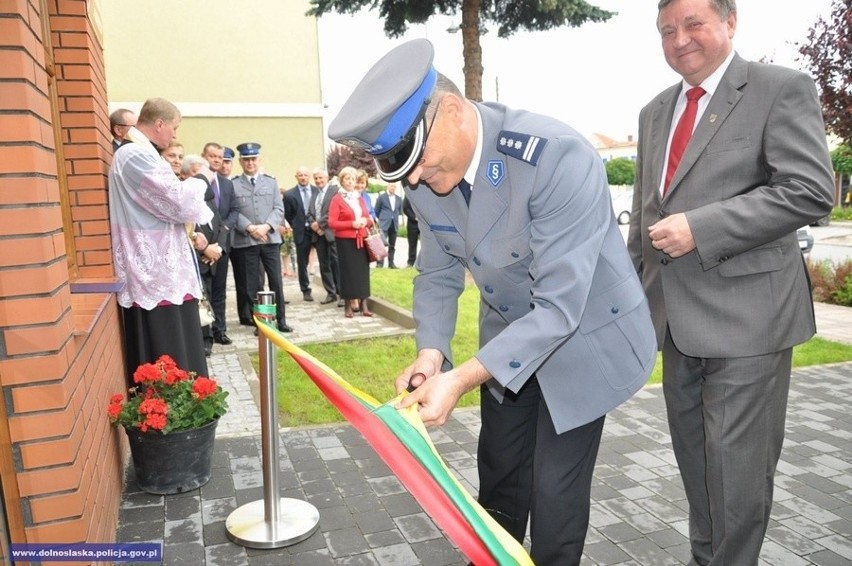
point(470, 174)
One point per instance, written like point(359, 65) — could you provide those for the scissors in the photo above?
point(411, 387)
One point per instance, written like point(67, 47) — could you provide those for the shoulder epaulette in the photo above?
point(267, 175)
point(525, 147)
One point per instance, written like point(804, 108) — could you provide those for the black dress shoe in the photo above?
point(222, 339)
point(284, 328)
point(246, 323)
point(328, 299)
point(307, 297)
point(208, 349)
point(341, 303)
point(391, 266)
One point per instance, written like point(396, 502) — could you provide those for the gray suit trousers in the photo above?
point(726, 417)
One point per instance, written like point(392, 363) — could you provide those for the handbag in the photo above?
point(376, 249)
point(205, 311)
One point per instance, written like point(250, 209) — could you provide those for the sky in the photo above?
point(596, 78)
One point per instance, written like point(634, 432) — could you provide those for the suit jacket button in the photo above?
point(503, 308)
point(447, 247)
point(515, 255)
point(488, 289)
point(476, 260)
point(664, 261)
point(614, 310)
point(514, 364)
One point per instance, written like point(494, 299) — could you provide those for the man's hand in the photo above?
point(439, 393)
point(672, 235)
point(259, 231)
point(428, 363)
point(212, 254)
point(199, 241)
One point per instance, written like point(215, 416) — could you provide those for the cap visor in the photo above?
point(399, 162)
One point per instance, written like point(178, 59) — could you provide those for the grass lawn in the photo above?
point(373, 364)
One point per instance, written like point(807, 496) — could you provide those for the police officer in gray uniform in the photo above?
point(565, 330)
point(256, 238)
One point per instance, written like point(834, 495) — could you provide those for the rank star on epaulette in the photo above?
point(525, 147)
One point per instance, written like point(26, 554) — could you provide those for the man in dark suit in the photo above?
point(388, 208)
point(223, 197)
point(120, 122)
point(732, 160)
point(412, 230)
point(211, 259)
point(518, 202)
point(323, 236)
point(297, 202)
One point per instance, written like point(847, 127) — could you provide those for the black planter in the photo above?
point(174, 462)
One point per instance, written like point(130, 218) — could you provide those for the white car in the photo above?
point(622, 204)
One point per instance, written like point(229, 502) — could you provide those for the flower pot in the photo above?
point(172, 463)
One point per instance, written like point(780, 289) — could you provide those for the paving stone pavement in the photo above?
point(367, 517)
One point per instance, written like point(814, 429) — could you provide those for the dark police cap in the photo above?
point(228, 154)
point(385, 114)
point(249, 149)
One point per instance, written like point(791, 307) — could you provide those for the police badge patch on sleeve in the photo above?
point(525, 147)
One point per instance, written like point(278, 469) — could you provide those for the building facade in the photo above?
point(61, 356)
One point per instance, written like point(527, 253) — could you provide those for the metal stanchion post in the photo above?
point(273, 521)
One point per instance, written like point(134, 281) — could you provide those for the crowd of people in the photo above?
point(731, 161)
point(256, 225)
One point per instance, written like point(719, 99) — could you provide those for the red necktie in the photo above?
point(682, 133)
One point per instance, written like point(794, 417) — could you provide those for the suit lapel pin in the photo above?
point(712, 118)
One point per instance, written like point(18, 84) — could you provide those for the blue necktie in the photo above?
point(215, 185)
point(464, 187)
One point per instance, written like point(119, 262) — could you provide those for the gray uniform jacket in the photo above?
point(560, 298)
point(257, 204)
point(756, 169)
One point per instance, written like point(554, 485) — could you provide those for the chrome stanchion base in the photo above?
point(247, 526)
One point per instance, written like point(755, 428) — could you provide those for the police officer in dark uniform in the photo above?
point(256, 238)
point(519, 201)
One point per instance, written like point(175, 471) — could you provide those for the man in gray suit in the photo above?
point(565, 330)
point(323, 236)
point(713, 237)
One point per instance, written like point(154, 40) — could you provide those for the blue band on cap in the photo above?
point(406, 116)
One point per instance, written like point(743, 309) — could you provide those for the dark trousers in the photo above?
point(413, 236)
point(726, 417)
point(329, 271)
point(252, 259)
point(303, 254)
point(391, 237)
point(526, 469)
point(217, 295)
point(243, 304)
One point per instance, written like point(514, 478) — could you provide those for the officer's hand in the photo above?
point(672, 235)
point(428, 363)
point(436, 397)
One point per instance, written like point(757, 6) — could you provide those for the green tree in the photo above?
point(841, 159)
point(509, 15)
point(620, 171)
point(827, 56)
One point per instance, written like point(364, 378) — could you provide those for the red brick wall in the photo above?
point(61, 354)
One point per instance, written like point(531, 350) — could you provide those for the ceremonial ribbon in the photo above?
point(399, 437)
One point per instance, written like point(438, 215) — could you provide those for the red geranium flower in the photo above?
point(167, 399)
